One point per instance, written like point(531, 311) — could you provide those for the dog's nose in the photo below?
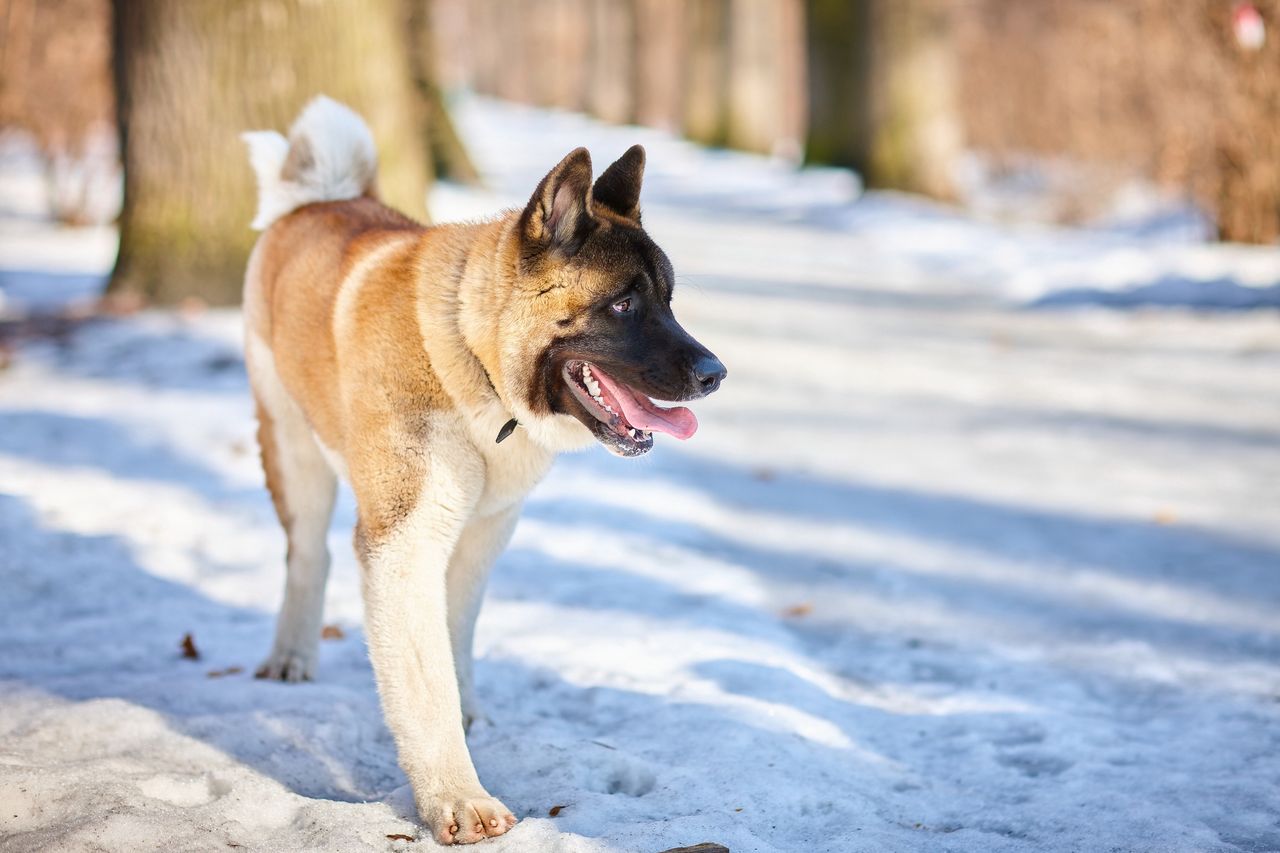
point(708, 373)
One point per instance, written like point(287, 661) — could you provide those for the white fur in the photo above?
point(555, 433)
point(309, 486)
point(334, 458)
point(343, 162)
point(412, 625)
point(482, 540)
point(423, 586)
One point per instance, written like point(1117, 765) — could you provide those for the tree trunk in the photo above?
point(191, 75)
point(612, 85)
point(881, 92)
point(565, 62)
point(766, 50)
point(446, 156)
point(793, 109)
point(706, 94)
point(660, 52)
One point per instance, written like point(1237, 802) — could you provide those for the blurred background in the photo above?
point(978, 548)
point(1052, 110)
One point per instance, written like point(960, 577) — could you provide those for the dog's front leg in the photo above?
point(479, 546)
point(406, 622)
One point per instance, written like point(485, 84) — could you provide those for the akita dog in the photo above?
point(439, 370)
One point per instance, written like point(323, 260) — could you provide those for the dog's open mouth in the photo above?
point(627, 418)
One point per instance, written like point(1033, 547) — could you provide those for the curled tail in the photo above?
point(329, 156)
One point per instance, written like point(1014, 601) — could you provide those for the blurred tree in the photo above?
point(445, 151)
point(611, 86)
point(881, 92)
point(766, 53)
point(722, 72)
point(1162, 88)
point(191, 75)
point(569, 40)
point(659, 52)
point(706, 90)
point(55, 83)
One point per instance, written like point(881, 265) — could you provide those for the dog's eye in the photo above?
point(623, 306)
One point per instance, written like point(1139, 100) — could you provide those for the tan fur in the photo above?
point(271, 464)
point(392, 354)
point(382, 333)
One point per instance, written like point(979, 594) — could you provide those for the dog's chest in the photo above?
point(512, 469)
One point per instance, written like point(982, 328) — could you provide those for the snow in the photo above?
point(941, 570)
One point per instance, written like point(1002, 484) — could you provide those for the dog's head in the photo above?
point(590, 335)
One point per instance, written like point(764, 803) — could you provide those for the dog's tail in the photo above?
point(329, 156)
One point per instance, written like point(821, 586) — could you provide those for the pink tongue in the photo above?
point(642, 413)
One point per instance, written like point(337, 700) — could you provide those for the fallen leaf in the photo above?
point(332, 632)
point(231, 670)
point(1165, 517)
point(555, 810)
point(189, 650)
point(795, 611)
point(396, 836)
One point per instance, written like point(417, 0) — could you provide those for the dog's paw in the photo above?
point(465, 819)
point(290, 666)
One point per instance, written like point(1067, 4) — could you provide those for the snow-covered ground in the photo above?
point(942, 571)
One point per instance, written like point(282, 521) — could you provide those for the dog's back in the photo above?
point(325, 234)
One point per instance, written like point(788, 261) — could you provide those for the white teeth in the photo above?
point(589, 382)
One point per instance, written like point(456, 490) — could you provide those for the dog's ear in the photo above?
point(618, 188)
point(558, 217)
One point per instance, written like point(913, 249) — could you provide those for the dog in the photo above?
point(439, 370)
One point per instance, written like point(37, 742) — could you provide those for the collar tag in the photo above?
point(507, 428)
